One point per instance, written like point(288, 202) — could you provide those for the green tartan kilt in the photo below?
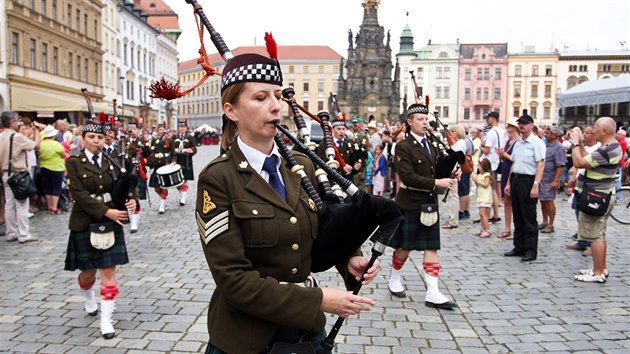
point(414, 236)
point(81, 255)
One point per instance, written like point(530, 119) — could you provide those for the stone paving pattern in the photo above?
point(505, 306)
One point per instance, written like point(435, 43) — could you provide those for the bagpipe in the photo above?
point(124, 185)
point(343, 226)
point(448, 159)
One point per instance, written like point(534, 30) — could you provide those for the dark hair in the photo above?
point(486, 166)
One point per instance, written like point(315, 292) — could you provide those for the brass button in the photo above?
point(255, 212)
point(293, 220)
point(101, 187)
point(100, 176)
point(84, 176)
point(295, 247)
point(224, 156)
point(294, 270)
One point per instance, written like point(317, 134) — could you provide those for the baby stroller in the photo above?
point(65, 200)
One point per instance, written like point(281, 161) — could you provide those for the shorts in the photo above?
point(463, 186)
point(545, 192)
point(593, 228)
point(485, 205)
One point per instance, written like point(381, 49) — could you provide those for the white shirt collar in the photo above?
point(418, 137)
point(89, 155)
point(256, 158)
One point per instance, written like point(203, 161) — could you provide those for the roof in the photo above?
point(612, 90)
point(159, 14)
point(285, 53)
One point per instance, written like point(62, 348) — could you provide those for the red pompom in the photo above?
point(272, 48)
point(102, 117)
point(426, 100)
point(165, 90)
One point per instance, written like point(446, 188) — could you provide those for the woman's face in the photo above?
point(258, 107)
point(94, 142)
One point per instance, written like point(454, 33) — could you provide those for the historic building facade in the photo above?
point(4, 82)
point(311, 70)
point(533, 86)
point(367, 90)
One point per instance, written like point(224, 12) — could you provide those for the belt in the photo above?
point(404, 186)
point(102, 198)
point(521, 175)
point(310, 282)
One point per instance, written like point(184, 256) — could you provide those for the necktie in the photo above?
point(339, 143)
point(269, 166)
point(426, 146)
point(95, 161)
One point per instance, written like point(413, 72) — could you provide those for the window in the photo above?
point(85, 24)
point(517, 89)
point(497, 93)
point(96, 73)
point(533, 111)
point(516, 111)
point(606, 68)
point(497, 73)
point(320, 105)
point(467, 93)
point(534, 92)
point(291, 69)
point(445, 111)
point(547, 113)
point(547, 90)
point(477, 113)
point(305, 87)
point(69, 16)
point(447, 92)
point(535, 70)
point(467, 74)
point(320, 70)
point(438, 111)
point(138, 57)
point(131, 57)
point(79, 67)
point(54, 10)
point(44, 57)
point(443, 55)
point(438, 73)
point(478, 93)
point(548, 70)
point(583, 68)
point(32, 44)
point(479, 73)
point(466, 113)
point(15, 48)
point(42, 7)
point(572, 68)
point(55, 60)
point(447, 73)
point(438, 92)
point(320, 88)
point(144, 62)
point(70, 67)
point(485, 93)
point(420, 73)
point(624, 68)
point(125, 53)
point(517, 70)
point(78, 20)
point(486, 73)
point(305, 69)
point(336, 70)
point(86, 68)
point(305, 105)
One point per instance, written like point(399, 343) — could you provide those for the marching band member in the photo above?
point(344, 145)
point(257, 226)
point(160, 155)
point(415, 163)
point(97, 240)
point(183, 148)
point(136, 150)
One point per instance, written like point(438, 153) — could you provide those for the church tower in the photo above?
point(368, 89)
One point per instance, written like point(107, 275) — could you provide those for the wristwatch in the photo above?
point(536, 182)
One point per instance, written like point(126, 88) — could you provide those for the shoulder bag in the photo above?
point(21, 183)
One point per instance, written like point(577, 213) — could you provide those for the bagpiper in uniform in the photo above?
point(136, 151)
point(183, 148)
point(415, 161)
point(160, 155)
point(346, 147)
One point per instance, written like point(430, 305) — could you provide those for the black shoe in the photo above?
point(449, 305)
point(514, 253)
point(495, 220)
point(93, 313)
point(181, 204)
point(108, 335)
point(400, 294)
point(476, 221)
point(574, 237)
point(529, 256)
point(133, 231)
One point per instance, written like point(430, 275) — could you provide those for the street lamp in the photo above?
point(122, 96)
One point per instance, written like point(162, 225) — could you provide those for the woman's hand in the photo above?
point(344, 303)
point(117, 216)
point(356, 267)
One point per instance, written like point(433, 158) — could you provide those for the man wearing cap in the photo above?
point(494, 138)
point(415, 162)
point(160, 155)
point(555, 160)
point(528, 157)
point(183, 148)
point(344, 145)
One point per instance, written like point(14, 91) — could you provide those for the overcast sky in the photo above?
point(545, 24)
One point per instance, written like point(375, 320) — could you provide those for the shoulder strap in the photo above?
point(10, 152)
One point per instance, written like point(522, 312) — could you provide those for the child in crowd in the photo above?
point(379, 172)
point(483, 180)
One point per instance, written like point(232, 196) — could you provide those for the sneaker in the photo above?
point(591, 278)
point(541, 226)
point(590, 271)
point(587, 252)
point(466, 214)
point(495, 220)
point(547, 230)
point(11, 238)
point(29, 238)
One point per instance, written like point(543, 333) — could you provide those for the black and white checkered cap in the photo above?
point(417, 108)
point(93, 127)
point(251, 68)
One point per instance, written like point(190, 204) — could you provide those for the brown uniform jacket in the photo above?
point(416, 171)
point(344, 151)
point(160, 154)
point(252, 241)
point(84, 180)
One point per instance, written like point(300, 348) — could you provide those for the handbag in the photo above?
point(21, 183)
point(592, 202)
point(428, 214)
point(467, 167)
point(102, 235)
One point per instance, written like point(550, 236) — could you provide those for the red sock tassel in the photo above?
point(397, 263)
point(109, 291)
point(431, 268)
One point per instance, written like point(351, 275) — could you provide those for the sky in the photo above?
point(545, 24)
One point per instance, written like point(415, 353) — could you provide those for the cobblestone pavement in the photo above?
point(505, 306)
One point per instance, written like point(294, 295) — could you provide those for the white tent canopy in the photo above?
point(613, 90)
point(207, 128)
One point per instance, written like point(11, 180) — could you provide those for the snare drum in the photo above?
point(170, 176)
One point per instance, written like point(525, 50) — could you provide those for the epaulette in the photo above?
point(221, 158)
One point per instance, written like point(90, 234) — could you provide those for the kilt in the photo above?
point(415, 236)
point(142, 190)
point(153, 179)
point(81, 255)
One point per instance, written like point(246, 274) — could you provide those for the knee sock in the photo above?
point(397, 263)
point(86, 286)
point(109, 291)
point(431, 268)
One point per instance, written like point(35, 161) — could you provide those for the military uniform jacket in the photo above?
point(160, 154)
point(183, 159)
point(344, 152)
point(252, 240)
point(85, 180)
point(416, 171)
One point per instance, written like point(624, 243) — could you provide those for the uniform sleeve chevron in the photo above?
point(214, 227)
